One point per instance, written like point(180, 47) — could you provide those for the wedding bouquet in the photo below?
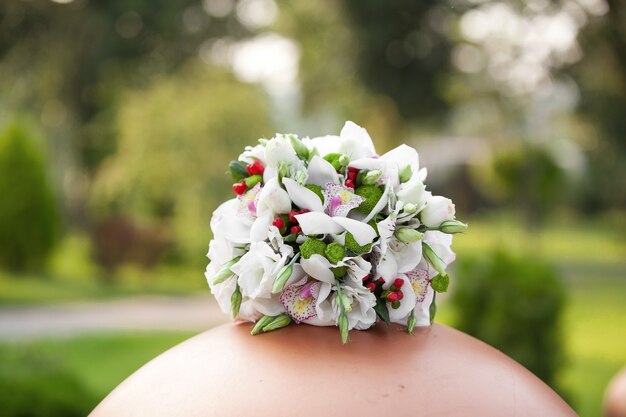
point(325, 232)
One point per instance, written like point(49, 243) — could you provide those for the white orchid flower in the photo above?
point(393, 256)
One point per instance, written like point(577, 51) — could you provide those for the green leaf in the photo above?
point(440, 283)
point(381, 310)
point(238, 170)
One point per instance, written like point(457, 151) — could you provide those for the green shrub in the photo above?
point(28, 215)
point(515, 305)
point(33, 385)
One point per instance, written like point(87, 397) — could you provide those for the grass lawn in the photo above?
point(97, 363)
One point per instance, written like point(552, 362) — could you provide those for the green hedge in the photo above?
point(514, 304)
point(29, 218)
point(32, 384)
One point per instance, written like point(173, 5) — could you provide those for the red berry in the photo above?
point(371, 286)
point(365, 278)
point(392, 296)
point(279, 223)
point(239, 188)
point(380, 280)
point(400, 295)
point(303, 211)
point(353, 169)
point(255, 168)
point(292, 216)
point(352, 175)
point(295, 230)
point(349, 183)
point(398, 282)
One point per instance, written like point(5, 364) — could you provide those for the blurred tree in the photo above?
point(403, 52)
point(601, 77)
point(331, 90)
point(28, 214)
point(77, 56)
point(530, 180)
point(515, 305)
point(176, 138)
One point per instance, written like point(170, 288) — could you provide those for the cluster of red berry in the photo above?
point(351, 180)
point(289, 223)
point(393, 295)
point(254, 169)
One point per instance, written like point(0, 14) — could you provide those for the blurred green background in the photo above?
point(118, 118)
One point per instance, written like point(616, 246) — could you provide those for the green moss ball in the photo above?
point(312, 247)
point(354, 247)
point(371, 194)
point(335, 252)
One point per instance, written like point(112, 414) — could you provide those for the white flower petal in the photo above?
point(280, 150)
point(407, 255)
point(225, 223)
point(318, 267)
point(302, 196)
point(387, 267)
point(324, 144)
point(273, 198)
point(321, 172)
point(406, 305)
point(422, 309)
point(356, 141)
point(363, 233)
point(260, 228)
point(315, 222)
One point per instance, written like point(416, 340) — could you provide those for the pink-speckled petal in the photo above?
point(419, 282)
point(299, 308)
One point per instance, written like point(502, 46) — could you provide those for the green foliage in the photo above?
point(32, 385)
point(514, 305)
point(175, 140)
point(29, 219)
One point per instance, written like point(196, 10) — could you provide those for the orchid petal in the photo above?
point(318, 267)
point(407, 255)
point(321, 172)
point(356, 141)
point(363, 233)
point(387, 268)
point(302, 196)
point(260, 228)
point(315, 223)
point(406, 305)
